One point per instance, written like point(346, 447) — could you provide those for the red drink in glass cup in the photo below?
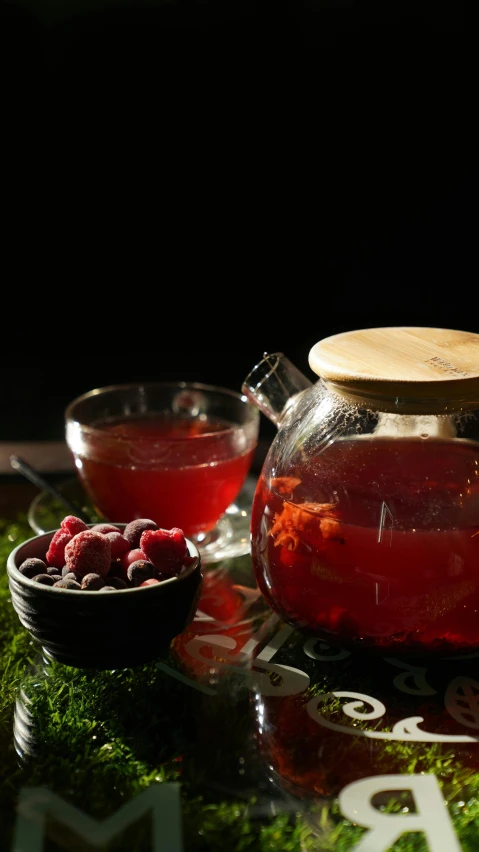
point(174, 452)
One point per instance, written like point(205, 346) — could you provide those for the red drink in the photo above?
point(386, 554)
point(177, 470)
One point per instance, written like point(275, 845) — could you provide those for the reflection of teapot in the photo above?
point(365, 519)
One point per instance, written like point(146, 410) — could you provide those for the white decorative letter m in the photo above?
point(36, 803)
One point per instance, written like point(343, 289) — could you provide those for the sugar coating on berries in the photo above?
point(105, 528)
point(32, 567)
point(88, 553)
point(44, 579)
point(134, 530)
point(93, 582)
point(165, 549)
point(118, 543)
point(66, 583)
point(73, 525)
point(55, 554)
point(140, 571)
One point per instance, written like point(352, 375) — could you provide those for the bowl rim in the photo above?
point(14, 573)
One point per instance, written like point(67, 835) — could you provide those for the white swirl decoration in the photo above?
point(405, 729)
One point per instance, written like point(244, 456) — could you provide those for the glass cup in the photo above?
point(178, 453)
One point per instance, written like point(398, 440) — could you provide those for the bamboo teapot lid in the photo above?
point(406, 368)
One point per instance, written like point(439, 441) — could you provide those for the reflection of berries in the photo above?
point(88, 553)
point(56, 552)
point(166, 549)
point(73, 525)
point(134, 529)
point(32, 567)
point(140, 571)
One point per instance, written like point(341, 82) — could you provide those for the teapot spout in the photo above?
point(273, 385)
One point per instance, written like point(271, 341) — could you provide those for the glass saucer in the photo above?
point(230, 537)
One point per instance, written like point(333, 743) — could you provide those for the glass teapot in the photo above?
point(365, 518)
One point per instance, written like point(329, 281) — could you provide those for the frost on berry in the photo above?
point(56, 552)
point(140, 571)
point(93, 582)
point(118, 543)
point(134, 529)
point(32, 567)
point(73, 525)
point(104, 528)
point(165, 549)
point(88, 552)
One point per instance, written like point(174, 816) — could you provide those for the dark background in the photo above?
point(190, 184)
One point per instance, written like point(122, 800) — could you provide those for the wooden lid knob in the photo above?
point(435, 369)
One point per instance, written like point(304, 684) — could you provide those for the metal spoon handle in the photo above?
point(21, 466)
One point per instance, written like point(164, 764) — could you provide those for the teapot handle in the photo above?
point(273, 384)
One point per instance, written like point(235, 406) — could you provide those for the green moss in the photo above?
point(100, 738)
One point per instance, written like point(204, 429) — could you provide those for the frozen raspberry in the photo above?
point(166, 549)
point(44, 579)
point(56, 552)
point(32, 567)
point(92, 582)
point(104, 528)
point(134, 529)
point(68, 584)
point(88, 553)
point(73, 525)
point(119, 544)
point(140, 571)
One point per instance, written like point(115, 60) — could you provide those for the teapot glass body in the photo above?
point(365, 523)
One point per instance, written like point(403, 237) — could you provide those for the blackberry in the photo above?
point(32, 567)
point(140, 571)
point(134, 529)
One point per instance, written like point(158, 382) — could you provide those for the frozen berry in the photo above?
point(92, 582)
point(118, 543)
point(44, 579)
point(73, 525)
point(129, 557)
point(53, 571)
point(88, 553)
point(140, 571)
point(116, 582)
point(56, 552)
point(166, 549)
point(65, 570)
point(69, 575)
point(66, 583)
point(134, 529)
point(151, 581)
point(32, 567)
point(107, 589)
point(104, 528)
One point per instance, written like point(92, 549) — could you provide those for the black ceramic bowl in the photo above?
point(98, 630)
